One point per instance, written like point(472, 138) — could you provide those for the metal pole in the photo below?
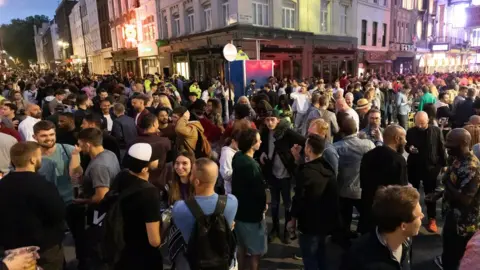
point(229, 94)
point(84, 43)
point(257, 47)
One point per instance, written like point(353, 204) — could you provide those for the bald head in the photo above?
point(206, 172)
point(391, 132)
point(421, 120)
point(341, 105)
point(33, 110)
point(474, 120)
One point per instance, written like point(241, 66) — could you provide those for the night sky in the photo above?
point(12, 9)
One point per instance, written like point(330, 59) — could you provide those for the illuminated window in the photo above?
point(260, 12)
point(288, 15)
point(324, 11)
point(225, 13)
point(208, 18)
point(182, 69)
point(460, 15)
point(407, 4)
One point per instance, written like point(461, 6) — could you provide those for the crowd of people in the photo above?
point(133, 166)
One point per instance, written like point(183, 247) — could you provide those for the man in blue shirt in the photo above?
point(204, 177)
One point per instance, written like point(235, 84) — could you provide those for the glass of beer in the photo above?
point(20, 251)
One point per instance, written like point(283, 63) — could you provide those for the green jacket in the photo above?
point(249, 187)
point(426, 98)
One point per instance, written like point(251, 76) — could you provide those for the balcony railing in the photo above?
point(450, 40)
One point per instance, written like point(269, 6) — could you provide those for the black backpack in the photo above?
point(108, 224)
point(212, 242)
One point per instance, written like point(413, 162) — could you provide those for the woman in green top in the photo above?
point(283, 108)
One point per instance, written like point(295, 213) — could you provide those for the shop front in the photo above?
point(375, 62)
point(403, 57)
point(330, 64)
point(126, 61)
point(148, 55)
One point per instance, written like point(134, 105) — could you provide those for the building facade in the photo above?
point(78, 44)
point(373, 31)
point(62, 14)
point(303, 38)
point(52, 53)
point(105, 36)
point(38, 37)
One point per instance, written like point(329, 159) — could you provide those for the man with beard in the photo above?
point(66, 129)
point(38, 222)
point(34, 114)
point(426, 158)
point(462, 198)
point(382, 166)
point(166, 128)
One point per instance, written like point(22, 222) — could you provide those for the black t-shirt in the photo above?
point(138, 209)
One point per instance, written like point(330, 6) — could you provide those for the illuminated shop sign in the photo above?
point(440, 47)
point(130, 33)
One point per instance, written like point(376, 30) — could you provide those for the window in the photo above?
point(343, 19)
point(191, 22)
point(165, 27)
point(148, 27)
point(407, 4)
point(225, 13)
point(395, 30)
point(375, 1)
point(385, 2)
point(176, 26)
point(364, 33)
point(400, 32)
point(374, 33)
point(288, 16)
point(384, 35)
point(324, 25)
point(208, 18)
point(406, 36)
point(260, 12)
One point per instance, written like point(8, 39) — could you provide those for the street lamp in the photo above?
point(64, 46)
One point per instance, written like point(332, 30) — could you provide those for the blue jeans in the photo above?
point(313, 251)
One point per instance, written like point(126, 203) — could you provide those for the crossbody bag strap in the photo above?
point(194, 208)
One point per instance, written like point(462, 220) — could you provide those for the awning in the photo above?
point(379, 61)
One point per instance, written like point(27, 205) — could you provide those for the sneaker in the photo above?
point(438, 262)
point(432, 225)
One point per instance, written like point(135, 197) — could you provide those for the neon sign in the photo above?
point(130, 33)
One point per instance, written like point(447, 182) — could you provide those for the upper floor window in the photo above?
point(165, 27)
point(208, 18)
point(225, 13)
point(384, 35)
point(407, 4)
point(260, 12)
point(288, 15)
point(343, 19)
point(190, 22)
point(364, 33)
point(374, 33)
point(324, 16)
point(176, 26)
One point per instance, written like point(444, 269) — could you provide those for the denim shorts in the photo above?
point(252, 236)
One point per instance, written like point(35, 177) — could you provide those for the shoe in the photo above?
point(286, 237)
point(432, 225)
point(438, 262)
point(274, 233)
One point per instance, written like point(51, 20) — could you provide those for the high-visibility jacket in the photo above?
point(195, 89)
point(241, 55)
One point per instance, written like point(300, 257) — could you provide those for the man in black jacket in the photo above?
point(398, 215)
point(278, 165)
point(32, 211)
point(315, 204)
point(464, 110)
point(382, 166)
point(426, 157)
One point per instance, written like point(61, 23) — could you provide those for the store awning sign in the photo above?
point(440, 47)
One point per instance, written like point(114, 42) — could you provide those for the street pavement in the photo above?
point(281, 257)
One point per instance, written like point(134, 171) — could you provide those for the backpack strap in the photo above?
point(194, 208)
point(221, 204)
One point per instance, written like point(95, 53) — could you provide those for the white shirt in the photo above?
point(109, 122)
point(301, 102)
point(226, 170)
point(25, 128)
